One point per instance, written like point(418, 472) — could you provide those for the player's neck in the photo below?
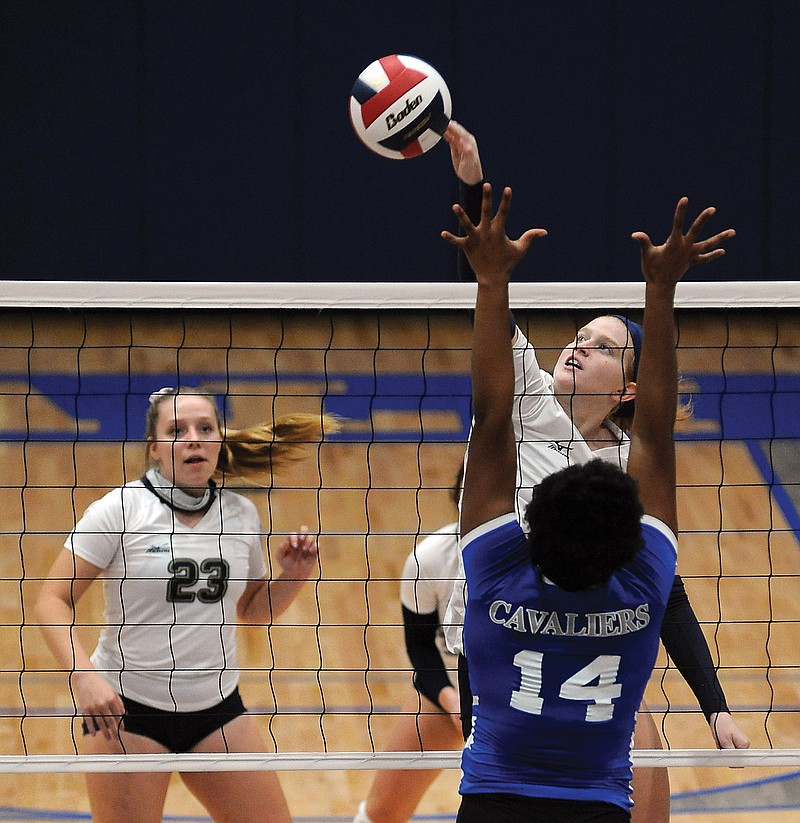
point(586, 418)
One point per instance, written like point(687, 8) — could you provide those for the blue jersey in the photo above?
point(557, 676)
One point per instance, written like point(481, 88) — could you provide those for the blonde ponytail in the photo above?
point(256, 452)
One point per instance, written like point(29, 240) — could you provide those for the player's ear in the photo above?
point(629, 392)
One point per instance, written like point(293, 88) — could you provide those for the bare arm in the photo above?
point(68, 579)
point(652, 454)
point(264, 600)
point(490, 478)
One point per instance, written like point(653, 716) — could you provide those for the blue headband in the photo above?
point(637, 333)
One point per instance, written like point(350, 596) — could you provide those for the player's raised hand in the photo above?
point(490, 251)
point(297, 555)
point(668, 262)
point(464, 153)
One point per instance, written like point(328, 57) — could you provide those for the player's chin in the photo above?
point(197, 472)
point(566, 381)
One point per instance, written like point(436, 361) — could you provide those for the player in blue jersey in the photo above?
point(567, 418)
point(562, 624)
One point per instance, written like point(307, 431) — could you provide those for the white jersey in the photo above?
point(170, 594)
point(547, 441)
point(429, 574)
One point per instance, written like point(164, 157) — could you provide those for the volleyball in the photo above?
point(400, 106)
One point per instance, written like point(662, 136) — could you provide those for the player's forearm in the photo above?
point(492, 363)
point(685, 643)
point(657, 393)
point(57, 625)
point(471, 196)
point(430, 674)
point(281, 593)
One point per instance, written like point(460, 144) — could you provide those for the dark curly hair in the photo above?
point(584, 524)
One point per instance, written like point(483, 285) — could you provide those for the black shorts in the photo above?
point(515, 808)
point(179, 731)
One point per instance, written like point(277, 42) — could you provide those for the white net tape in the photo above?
point(95, 294)
point(322, 761)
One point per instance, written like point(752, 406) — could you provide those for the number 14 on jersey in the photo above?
point(596, 683)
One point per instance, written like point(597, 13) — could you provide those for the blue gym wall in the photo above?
point(184, 140)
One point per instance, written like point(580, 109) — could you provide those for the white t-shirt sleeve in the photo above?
point(530, 390)
point(416, 591)
point(429, 572)
point(97, 535)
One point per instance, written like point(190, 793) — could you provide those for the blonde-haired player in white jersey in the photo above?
point(182, 563)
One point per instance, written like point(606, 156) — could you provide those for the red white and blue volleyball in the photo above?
point(400, 106)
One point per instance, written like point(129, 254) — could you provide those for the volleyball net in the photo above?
point(328, 679)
